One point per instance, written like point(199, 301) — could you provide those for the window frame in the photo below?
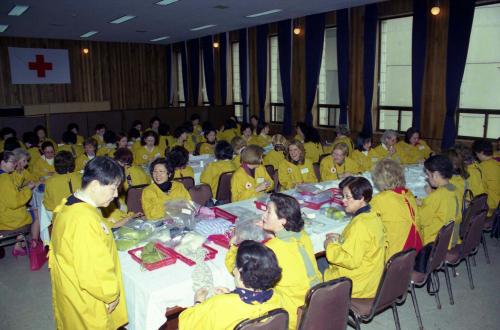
point(236, 103)
point(178, 57)
point(273, 105)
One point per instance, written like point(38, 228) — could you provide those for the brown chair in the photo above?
point(488, 228)
point(201, 194)
point(134, 198)
point(434, 264)
point(223, 195)
point(274, 175)
point(392, 290)
point(276, 319)
point(187, 181)
point(327, 306)
point(9, 237)
point(197, 148)
point(323, 156)
point(317, 171)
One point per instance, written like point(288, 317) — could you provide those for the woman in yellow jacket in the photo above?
point(207, 147)
point(90, 148)
point(261, 138)
point(388, 147)
point(161, 190)
point(338, 165)
point(75, 129)
point(41, 133)
point(87, 287)
point(275, 156)
point(413, 149)
point(182, 138)
point(359, 252)
point(30, 141)
point(251, 179)
point(69, 143)
point(228, 131)
point(293, 249)
point(22, 175)
point(459, 180)
point(255, 274)
point(474, 181)
point(179, 157)
point(223, 163)
point(312, 144)
point(43, 167)
point(109, 147)
point(343, 133)
point(300, 130)
point(62, 184)
point(397, 207)
point(490, 170)
point(296, 169)
point(238, 144)
point(363, 154)
point(149, 150)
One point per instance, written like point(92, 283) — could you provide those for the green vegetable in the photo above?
point(126, 244)
point(130, 233)
point(150, 254)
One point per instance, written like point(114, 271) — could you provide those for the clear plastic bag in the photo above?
point(247, 229)
point(181, 213)
point(133, 234)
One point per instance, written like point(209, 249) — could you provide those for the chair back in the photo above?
point(477, 204)
point(276, 319)
point(327, 306)
point(274, 175)
point(134, 198)
point(187, 181)
point(395, 279)
point(317, 171)
point(223, 195)
point(323, 156)
point(474, 230)
point(8, 237)
point(270, 170)
point(197, 148)
point(201, 194)
point(440, 247)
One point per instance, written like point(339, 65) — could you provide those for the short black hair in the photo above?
point(484, 146)
point(6, 131)
point(148, 134)
point(288, 208)
point(40, 127)
point(64, 162)
point(100, 126)
point(229, 124)
point(72, 126)
point(134, 133)
point(163, 129)
point(223, 150)
point(258, 265)
point(152, 120)
point(441, 164)
point(165, 162)
point(261, 126)
point(189, 126)
point(109, 137)
point(46, 144)
point(179, 131)
point(137, 122)
point(103, 169)
point(254, 117)
point(409, 133)
point(124, 156)
point(361, 140)
point(11, 143)
point(30, 138)
point(178, 156)
point(245, 126)
point(92, 142)
point(69, 137)
point(359, 186)
point(208, 130)
point(195, 116)
point(6, 155)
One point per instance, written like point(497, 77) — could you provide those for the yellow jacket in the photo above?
point(99, 139)
point(237, 161)
point(411, 154)
point(437, 209)
point(163, 143)
point(212, 172)
point(475, 180)
point(291, 175)
point(80, 140)
point(184, 172)
point(135, 176)
point(75, 149)
point(85, 270)
point(344, 139)
point(313, 151)
point(295, 281)
point(260, 140)
point(227, 135)
point(106, 150)
point(380, 152)
point(34, 155)
point(153, 199)
point(274, 158)
point(330, 170)
point(396, 217)
point(59, 187)
point(243, 185)
point(459, 184)
point(80, 162)
point(490, 170)
point(207, 148)
point(13, 212)
point(42, 169)
point(365, 160)
point(20, 179)
point(142, 156)
point(213, 314)
point(361, 256)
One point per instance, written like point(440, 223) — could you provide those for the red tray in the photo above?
point(221, 240)
point(224, 214)
point(210, 255)
point(169, 258)
point(260, 205)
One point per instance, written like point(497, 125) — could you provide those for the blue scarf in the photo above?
point(253, 297)
point(366, 208)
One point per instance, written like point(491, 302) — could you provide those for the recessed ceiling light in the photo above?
point(221, 7)
point(165, 2)
point(122, 19)
point(18, 10)
point(88, 34)
point(160, 39)
point(3, 27)
point(269, 12)
point(202, 27)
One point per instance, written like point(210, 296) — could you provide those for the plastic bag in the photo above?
point(37, 254)
point(161, 234)
point(133, 234)
point(215, 226)
point(181, 213)
point(247, 229)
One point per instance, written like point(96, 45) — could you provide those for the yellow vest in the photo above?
point(490, 170)
point(153, 199)
point(42, 169)
point(313, 151)
point(291, 175)
point(475, 180)
point(57, 188)
point(80, 162)
point(243, 185)
point(13, 212)
point(142, 156)
point(184, 172)
point(330, 170)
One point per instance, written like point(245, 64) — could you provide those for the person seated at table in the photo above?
point(312, 144)
point(207, 147)
point(165, 139)
point(228, 131)
point(100, 129)
point(413, 149)
point(154, 124)
point(5, 133)
point(238, 144)
point(295, 169)
point(222, 164)
point(69, 144)
point(343, 136)
point(275, 156)
point(13, 211)
point(191, 140)
point(89, 150)
point(338, 165)
point(359, 252)
point(11, 143)
point(43, 167)
point(459, 179)
point(30, 141)
point(251, 178)
point(293, 249)
point(261, 138)
point(62, 184)
point(109, 147)
point(237, 122)
point(149, 149)
point(162, 189)
point(387, 147)
point(363, 153)
point(254, 122)
point(475, 180)
point(121, 141)
point(246, 132)
point(75, 129)
point(255, 274)
point(179, 157)
point(181, 139)
point(198, 131)
point(41, 133)
point(441, 204)
point(134, 175)
point(137, 124)
point(490, 169)
point(300, 130)
point(397, 207)
point(134, 139)
point(22, 175)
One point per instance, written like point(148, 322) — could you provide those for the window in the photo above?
point(328, 85)
point(203, 81)
point(277, 106)
point(180, 84)
point(395, 96)
point(235, 62)
point(479, 105)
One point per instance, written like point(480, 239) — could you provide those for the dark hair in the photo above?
point(207, 131)
point(178, 156)
point(458, 163)
point(72, 126)
point(148, 134)
point(38, 128)
point(311, 134)
point(261, 126)
point(92, 142)
point(223, 150)
point(258, 265)
point(360, 187)
point(441, 164)
point(31, 138)
point(361, 140)
point(163, 129)
point(109, 137)
point(195, 116)
point(134, 133)
point(100, 126)
point(137, 122)
point(69, 137)
point(179, 131)
point(64, 162)
point(103, 169)
point(229, 124)
point(6, 155)
point(245, 126)
point(46, 144)
point(189, 126)
point(288, 208)
point(254, 117)
point(6, 131)
point(165, 162)
point(484, 146)
point(152, 120)
point(124, 156)
point(409, 133)
point(120, 136)
point(11, 143)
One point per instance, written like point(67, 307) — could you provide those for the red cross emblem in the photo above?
point(40, 66)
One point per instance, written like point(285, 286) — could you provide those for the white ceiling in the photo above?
point(69, 19)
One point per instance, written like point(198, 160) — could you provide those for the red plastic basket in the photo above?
point(221, 240)
point(170, 258)
point(211, 253)
point(224, 214)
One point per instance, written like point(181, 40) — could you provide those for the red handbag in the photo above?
point(38, 256)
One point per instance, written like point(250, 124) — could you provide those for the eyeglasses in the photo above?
point(347, 197)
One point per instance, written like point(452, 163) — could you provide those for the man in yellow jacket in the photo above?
point(87, 288)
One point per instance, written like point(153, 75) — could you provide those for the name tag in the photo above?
point(260, 180)
point(421, 148)
point(304, 170)
point(186, 211)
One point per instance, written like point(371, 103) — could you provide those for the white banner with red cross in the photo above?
point(39, 66)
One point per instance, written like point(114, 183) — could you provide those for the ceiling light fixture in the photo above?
point(88, 34)
point(165, 2)
point(269, 12)
point(85, 51)
point(435, 10)
point(216, 44)
point(296, 31)
point(3, 27)
point(18, 10)
point(159, 39)
point(202, 27)
point(122, 19)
